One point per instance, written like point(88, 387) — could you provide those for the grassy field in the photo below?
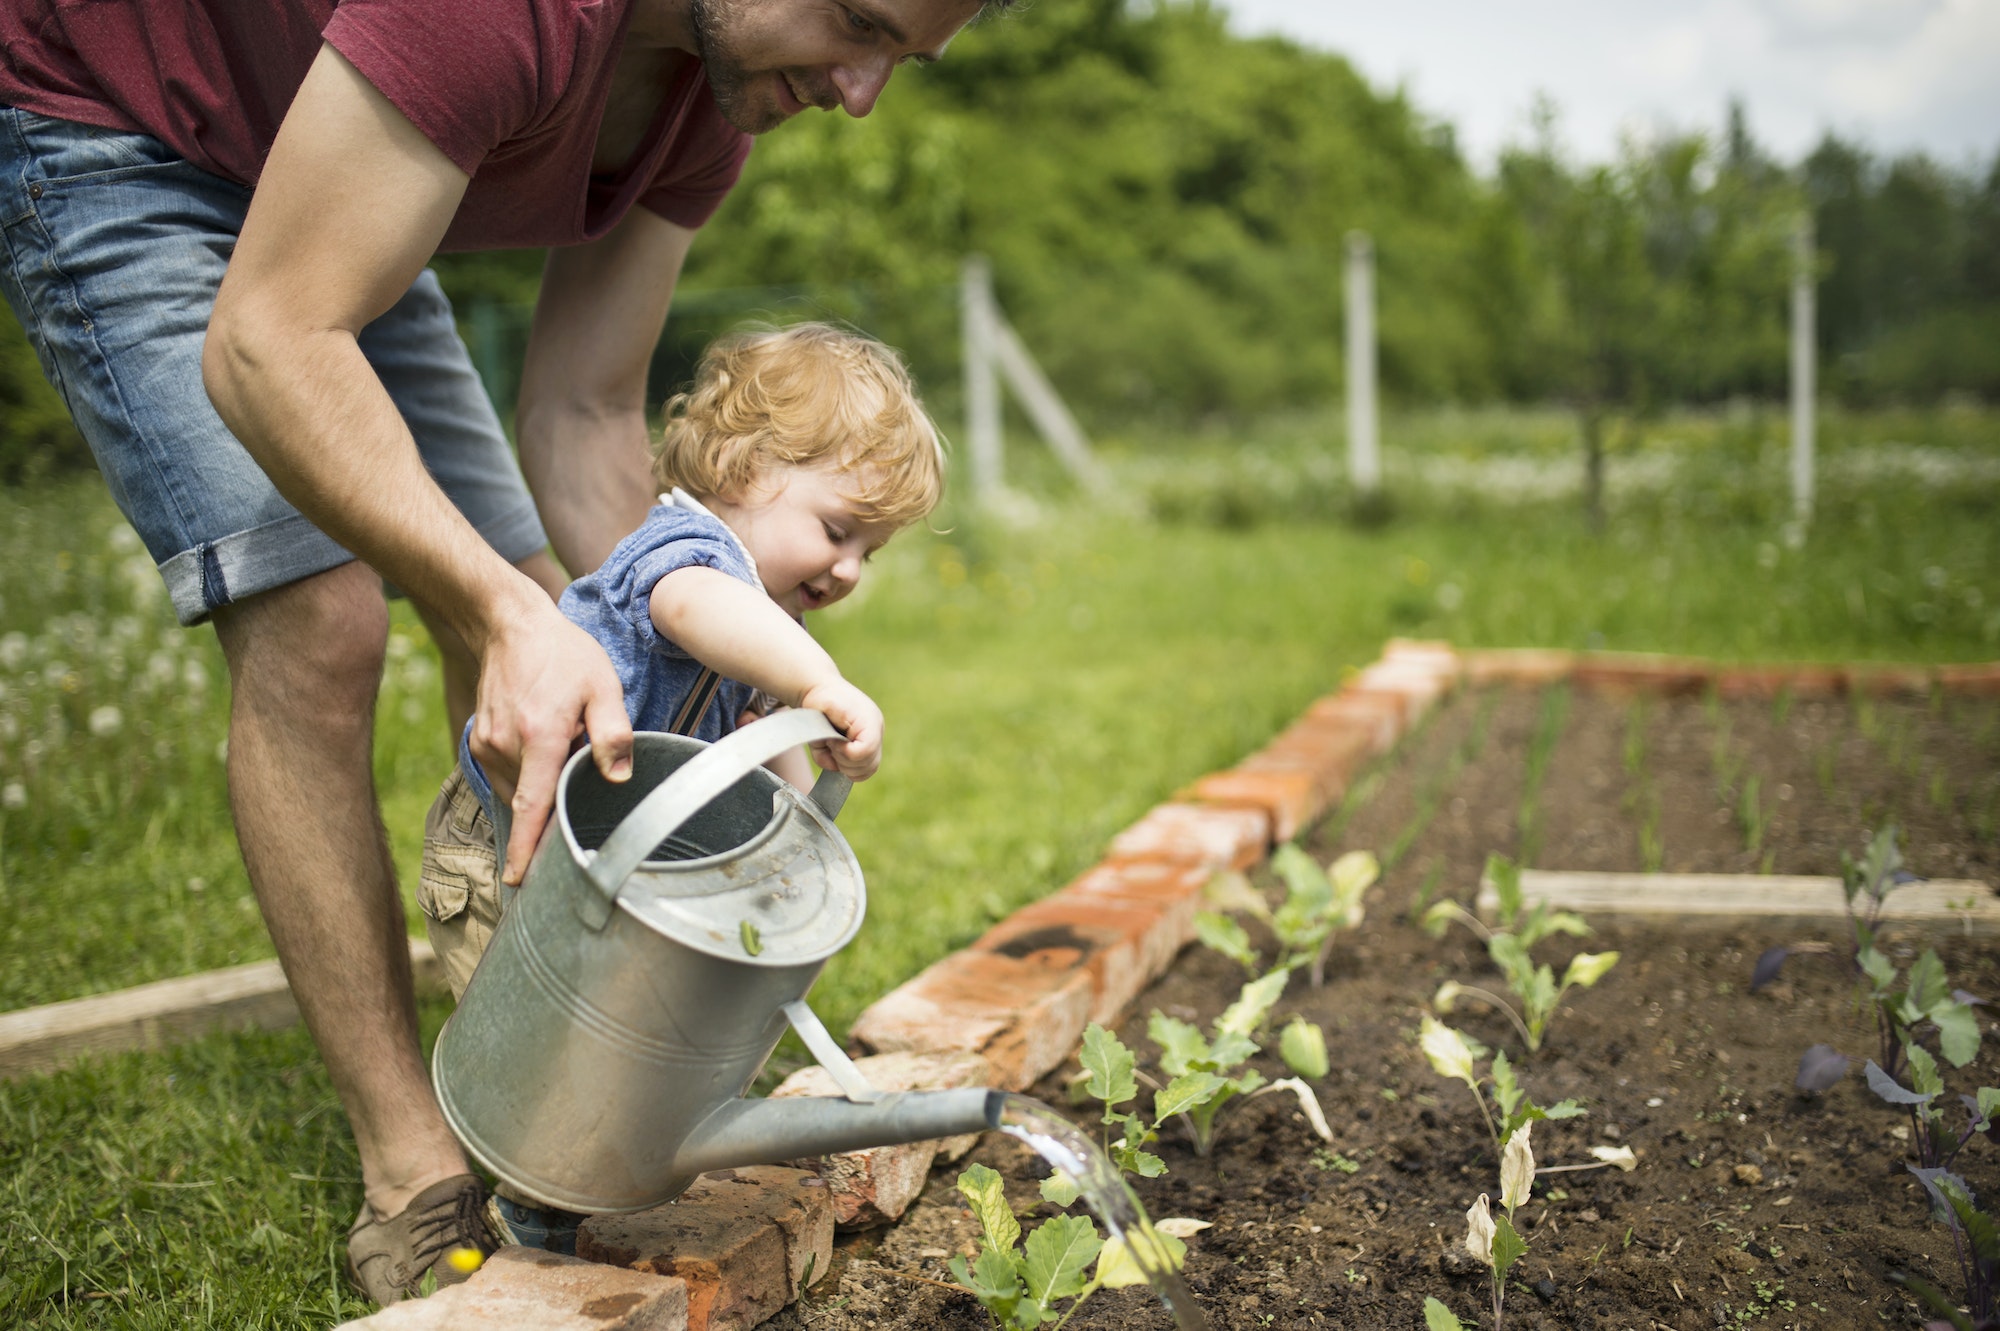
point(1045, 684)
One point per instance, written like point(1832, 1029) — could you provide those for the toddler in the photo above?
point(796, 455)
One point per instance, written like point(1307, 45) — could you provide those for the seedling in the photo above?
point(1207, 1073)
point(1019, 1283)
point(1541, 748)
point(1492, 1238)
point(1976, 1242)
point(1318, 902)
point(1750, 815)
point(1534, 985)
point(1453, 1055)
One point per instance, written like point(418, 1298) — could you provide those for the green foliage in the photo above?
point(1533, 983)
point(1454, 1055)
point(1019, 1283)
point(1112, 1080)
point(1317, 903)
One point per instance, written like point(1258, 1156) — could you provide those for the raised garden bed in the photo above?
point(1751, 1203)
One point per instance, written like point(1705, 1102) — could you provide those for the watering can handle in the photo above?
point(705, 776)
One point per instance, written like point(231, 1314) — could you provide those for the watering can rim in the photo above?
point(825, 800)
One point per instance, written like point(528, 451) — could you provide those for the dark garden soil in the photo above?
point(1751, 1204)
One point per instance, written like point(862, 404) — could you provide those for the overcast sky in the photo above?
point(1897, 74)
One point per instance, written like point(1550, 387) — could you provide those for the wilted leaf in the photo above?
point(1109, 1063)
point(1885, 1086)
point(1446, 998)
point(1437, 1317)
point(1308, 1103)
point(1768, 966)
point(1303, 1047)
point(1447, 1051)
point(1183, 1227)
point(1439, 916)
point(1117, 1267)
point(1621, 1156)
point(1059, 1252)
point(1479, 1230)
point(1230, 890)
point(1820, 1067)
point(1517, 1167)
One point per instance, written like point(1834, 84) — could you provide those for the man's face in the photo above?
point(767, 60)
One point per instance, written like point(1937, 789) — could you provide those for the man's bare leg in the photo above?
point(459, 666)
point(305, 662)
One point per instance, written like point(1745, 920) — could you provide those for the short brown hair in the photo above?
point(779, 397)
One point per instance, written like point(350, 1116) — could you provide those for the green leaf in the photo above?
point(983, 1188)
point(1181, 1045)
point(1925, 1078)
point(1226, 936)
point(1247, 1013)
point(1877, 967)
point(1438, 917)
point(1306, 885)
point(1185, 1092)
point(1437, 1317)
point(753, 942)
point(1506, 1087)
point(1059, 1189)
point(1059, 1252)
point(1135, 1161)
point(1926, 985)
point(1565, 1109)
point(993, 1281)
point(1988, 1101)
point(1116, 1266)
point(1958, 1031)
point(1353, 874)
point(1230, 1049)
point(1512, 959)
point(1303, 1047)
point(1110, 1065)
point(1506, 879)
point(1507, 1245)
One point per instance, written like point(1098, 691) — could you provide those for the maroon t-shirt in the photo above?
point(512, 91)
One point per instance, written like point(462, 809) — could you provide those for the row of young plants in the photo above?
point(1909, 1006)
point(1022, 1278)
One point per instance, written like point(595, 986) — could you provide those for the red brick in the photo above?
point(1022, 1014)
point(1419, 688)
point(523, 1289)
point(1890, 681)
point(1217, 838)
point(1770, 681)
point(1379, 716)
point(742, 1239)
point(1533, 667)
point(877, 1185)
point(1336, 751)
point(1169, 887)
point(1981, 678)
point(1631, 675)
point(1291, 796)
point(1435, 656)
point(1122, 944)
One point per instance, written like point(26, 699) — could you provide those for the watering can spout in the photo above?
point(748, 1132)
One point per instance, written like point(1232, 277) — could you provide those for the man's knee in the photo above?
point(315, 645)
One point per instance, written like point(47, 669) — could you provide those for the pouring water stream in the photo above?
point(1071, 1150)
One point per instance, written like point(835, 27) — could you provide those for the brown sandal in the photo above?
point(388, 1259)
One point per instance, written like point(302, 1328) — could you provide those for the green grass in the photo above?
point(1044, 687)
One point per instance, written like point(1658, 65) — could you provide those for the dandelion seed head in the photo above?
point(106, 721)
point(14, 795)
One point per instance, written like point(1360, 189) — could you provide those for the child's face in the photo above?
point(808, 539)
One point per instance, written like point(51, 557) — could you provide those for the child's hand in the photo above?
point(855, 713)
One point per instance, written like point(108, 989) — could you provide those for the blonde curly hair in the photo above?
point(787, 397)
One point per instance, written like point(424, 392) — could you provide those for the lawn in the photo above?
point(1045, 683)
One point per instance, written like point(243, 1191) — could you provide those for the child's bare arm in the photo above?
point(736, 630)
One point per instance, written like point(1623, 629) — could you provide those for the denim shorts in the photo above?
point(113, 251)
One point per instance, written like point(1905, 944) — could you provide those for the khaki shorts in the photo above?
point(459, 888)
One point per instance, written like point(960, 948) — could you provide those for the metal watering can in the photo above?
point(666, 932)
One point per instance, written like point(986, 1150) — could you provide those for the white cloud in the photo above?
point(1899, 74)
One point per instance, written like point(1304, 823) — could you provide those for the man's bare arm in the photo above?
point(352, 203)
point(582, 416)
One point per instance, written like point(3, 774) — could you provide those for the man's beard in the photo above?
point(728, 81)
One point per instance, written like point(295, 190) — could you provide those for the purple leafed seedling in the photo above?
point(1976, 1243)
point(1820, 1067)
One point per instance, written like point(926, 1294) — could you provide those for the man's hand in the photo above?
point(543, 683)
point(856, 715)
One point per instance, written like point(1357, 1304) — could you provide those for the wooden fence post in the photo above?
point(1364, 459)
point(1804, 370)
